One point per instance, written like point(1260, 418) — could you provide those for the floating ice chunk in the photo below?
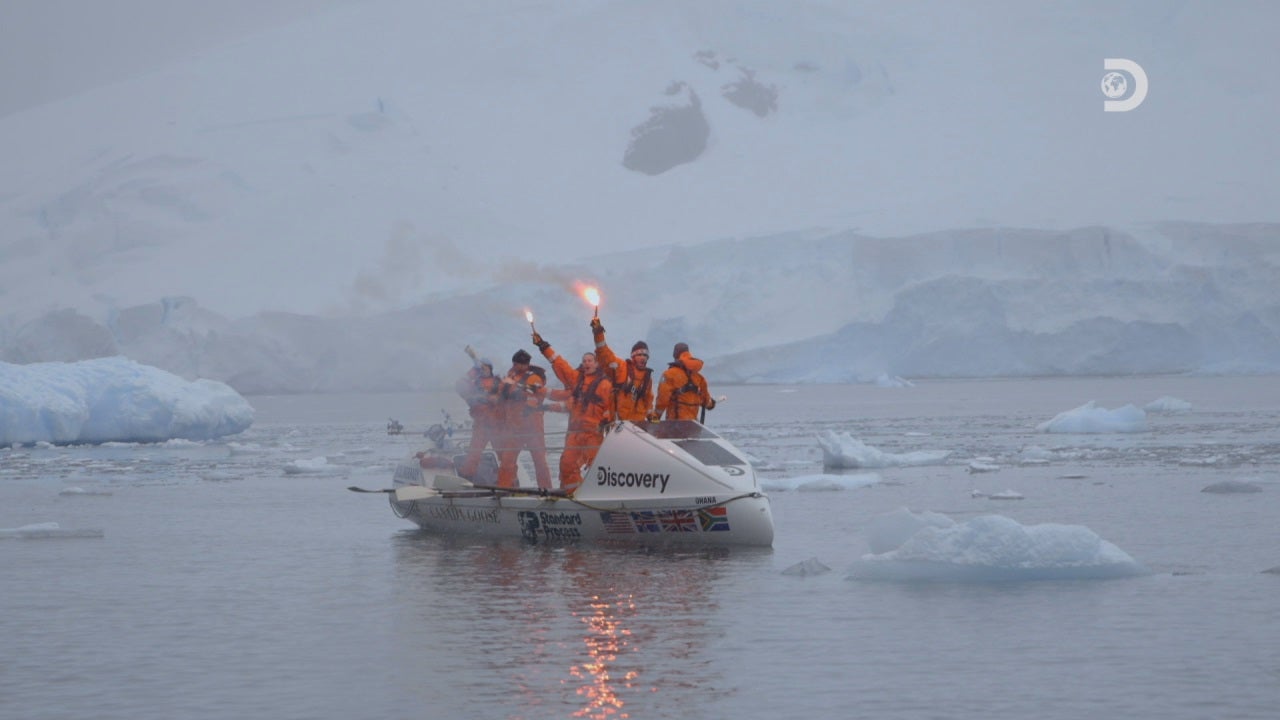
point(910, 546)
point(1005, 495)
point(892, 381)
point(820, 483)
point(1167, 404)
point(1035, 455)
point(1232, 486)
point(314, 466)
point(842, 450)
point(983, 465)
point(48, 530)
point(809, 567)
point(82, 491)
point(1089, 418)
point(113, 399)
point(1201, 461)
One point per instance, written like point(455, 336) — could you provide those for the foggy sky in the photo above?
point(51, 49)
point(417, 147)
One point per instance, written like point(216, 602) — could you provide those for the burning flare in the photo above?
point(592, 295)
point(528, 315)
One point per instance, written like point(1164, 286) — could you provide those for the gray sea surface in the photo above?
point(204, 580)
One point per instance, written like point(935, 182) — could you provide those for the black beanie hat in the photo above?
point(521, 357)
point(679, 348)
point(640, 345)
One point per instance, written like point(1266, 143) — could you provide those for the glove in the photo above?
point(652, 417)
point(711, 403)
point(537, 340)
point(596, 325)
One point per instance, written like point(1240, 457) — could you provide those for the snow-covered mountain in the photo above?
point(345, 200)
point(834, 308)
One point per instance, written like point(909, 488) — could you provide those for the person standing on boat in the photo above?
point(479, 388)
point(522, 392)
point(682, 393)
point(632, 378)
point(588, 398)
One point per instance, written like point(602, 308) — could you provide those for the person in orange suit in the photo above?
point(632, 378)
point(588, 398)
point(682, 393)
point(521, 393)
point(479, 388)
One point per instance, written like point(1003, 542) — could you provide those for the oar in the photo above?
point(403, 493)
point(541, 492)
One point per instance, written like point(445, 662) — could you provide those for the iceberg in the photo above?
point(1168, 404)
point(989, 548)
point(842, 450)
point(113, 399)
point(1089, 418)
point(819, 483)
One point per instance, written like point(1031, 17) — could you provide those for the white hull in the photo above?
point(672, 483)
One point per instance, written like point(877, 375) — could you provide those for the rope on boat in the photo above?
point(538, 492)
point(589, 506)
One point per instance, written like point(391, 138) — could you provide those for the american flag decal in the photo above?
point(617, 523)
point(679, 521)
point(646, 521)
point(714, 519)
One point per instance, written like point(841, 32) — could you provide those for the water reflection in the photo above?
point(507, 629)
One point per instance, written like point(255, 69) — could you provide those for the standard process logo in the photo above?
point(1125, 85)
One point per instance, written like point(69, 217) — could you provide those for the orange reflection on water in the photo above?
point(605, 638)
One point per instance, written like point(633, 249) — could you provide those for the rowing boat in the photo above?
point(673, 482)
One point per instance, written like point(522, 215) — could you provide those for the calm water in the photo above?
point(222, 587)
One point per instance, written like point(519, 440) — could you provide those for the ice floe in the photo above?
point(812, 566)
point(48, 530)
point(1232, 486)
point(819, 483)
point(842, 450)
point(1089, 418)
point(1167, 404)
point(928, 546)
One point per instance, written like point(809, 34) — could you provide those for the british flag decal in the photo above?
point(715, 519)
point(679, 521)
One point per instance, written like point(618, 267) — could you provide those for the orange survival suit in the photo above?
point(479, 388)
point(522, 392)
point(632, 385)
point(682, 393)
point(588, 397)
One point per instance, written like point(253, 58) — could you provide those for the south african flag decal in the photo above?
point(714, 519)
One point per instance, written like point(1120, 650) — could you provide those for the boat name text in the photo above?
point(608, 476)
point(453, 512)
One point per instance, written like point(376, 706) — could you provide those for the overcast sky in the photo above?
point(50, 49)
point(151, 145)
